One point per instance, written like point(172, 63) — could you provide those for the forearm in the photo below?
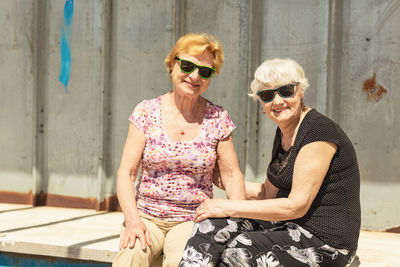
point(229, 170)
point(254, 190)
point(126, 197)
point(278, 209)
point(235, 187)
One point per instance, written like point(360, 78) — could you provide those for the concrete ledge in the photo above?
point(89, 235)
point(60, 232)
point(378, 249)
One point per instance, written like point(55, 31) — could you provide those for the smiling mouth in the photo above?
point(191, 84)
point(280, 109)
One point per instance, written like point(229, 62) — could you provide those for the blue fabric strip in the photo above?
point(65, 50)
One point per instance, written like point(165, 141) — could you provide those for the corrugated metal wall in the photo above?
point(59, 148)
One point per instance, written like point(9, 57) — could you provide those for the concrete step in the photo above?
point(84, 234)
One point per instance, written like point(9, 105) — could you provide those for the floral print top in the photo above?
point(177, 176)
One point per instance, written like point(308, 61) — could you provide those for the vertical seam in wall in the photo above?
point(244, 20)
point(35, 172)
point(180, 18)
point(111, 73)
point(39, 172)
point(98, 21)
point(175, 19)
point(253, 56)
point(334, 59)
point(105, 13)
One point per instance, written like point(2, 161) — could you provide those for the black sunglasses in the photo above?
point(188, 67)
point(284, 91)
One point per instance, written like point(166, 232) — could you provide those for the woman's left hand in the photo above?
point(215, 208)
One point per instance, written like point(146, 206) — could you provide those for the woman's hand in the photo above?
point(133, 230)
point(215, 208)
point(130, 161)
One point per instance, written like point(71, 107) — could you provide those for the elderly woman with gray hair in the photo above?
point(307, 212)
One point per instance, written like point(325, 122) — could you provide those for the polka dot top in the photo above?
point(177, 176)
point(334, 215)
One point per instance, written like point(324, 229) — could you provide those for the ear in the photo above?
point(301, 93)
point(172, 66)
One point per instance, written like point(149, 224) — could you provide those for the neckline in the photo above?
point(298, 131)
point(165, 133)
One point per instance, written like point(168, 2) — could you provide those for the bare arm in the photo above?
point(126, 176)
point(254, 190)
point(228, 165)
point(258, 191)
point(311, 166)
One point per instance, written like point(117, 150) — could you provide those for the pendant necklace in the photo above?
point(184, 129)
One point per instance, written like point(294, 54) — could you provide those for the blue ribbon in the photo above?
point(65, 50)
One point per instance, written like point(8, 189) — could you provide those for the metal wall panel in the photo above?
point(73, 120)
point(17, 82)
point(71, 144)
point(303, 38)
point(228, 21)
point(145, 35)
point(371, 44)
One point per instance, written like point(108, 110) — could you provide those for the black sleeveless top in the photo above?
point(335, 213)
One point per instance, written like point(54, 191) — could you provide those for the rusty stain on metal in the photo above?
point(373, 90)
point(109, 203)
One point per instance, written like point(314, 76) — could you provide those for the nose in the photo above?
point(195, 74)
point(277, 99)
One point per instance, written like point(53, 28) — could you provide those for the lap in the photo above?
point(136, 256)
point(242, 242)
point(175, 242)
point(167, 237)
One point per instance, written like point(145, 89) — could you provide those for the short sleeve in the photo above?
point(322, 129)
point(225, 125)
point(139, 116)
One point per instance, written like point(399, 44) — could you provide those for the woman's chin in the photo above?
point(281, 116)
point(189, 91)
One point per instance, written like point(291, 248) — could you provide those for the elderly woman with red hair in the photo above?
point(178, 138)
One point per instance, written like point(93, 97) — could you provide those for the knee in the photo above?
point(170, 261)
point(132, 257)
point(124, 258)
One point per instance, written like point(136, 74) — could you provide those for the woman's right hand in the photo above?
point(135, 229)
point(130, 161)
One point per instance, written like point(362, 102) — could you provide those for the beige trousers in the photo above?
point(167, 237)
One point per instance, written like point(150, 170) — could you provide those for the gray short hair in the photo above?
point(276, 72)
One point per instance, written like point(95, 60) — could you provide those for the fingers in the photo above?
point(148, 239)
point(145, 239)
point(121, 242)
point(142, 240)
point(127, 240)
point(201, 214)
point(197, 219)
point(132, 241)
point(200, 217)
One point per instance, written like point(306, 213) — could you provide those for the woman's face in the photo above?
point(284, 111)
point(191, 84)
